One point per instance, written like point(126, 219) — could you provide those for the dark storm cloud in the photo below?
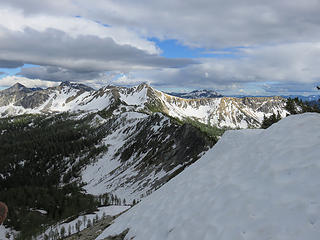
point(58, 74)
point(10, 64)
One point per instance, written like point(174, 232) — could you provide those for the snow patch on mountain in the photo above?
point(99, 176)
point(253, 184)
point(143, 151)
point(137, 96)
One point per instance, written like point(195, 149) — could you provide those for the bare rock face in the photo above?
point(3, 212)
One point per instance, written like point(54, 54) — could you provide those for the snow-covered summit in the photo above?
point(17, 87)
point(253, 184)
point(78, 86)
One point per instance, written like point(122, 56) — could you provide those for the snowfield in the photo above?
point(7, 233)
point(253, 184)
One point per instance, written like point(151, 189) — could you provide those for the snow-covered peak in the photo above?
point(253, 184)
point(17, 87)
point(78, 86)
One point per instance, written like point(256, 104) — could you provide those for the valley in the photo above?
point(71, 150)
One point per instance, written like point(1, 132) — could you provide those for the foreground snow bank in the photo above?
point(254, 184)
point(7, 233)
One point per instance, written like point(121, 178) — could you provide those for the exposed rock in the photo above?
point(230, 112)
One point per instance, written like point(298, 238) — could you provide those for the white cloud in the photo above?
point(287, 66)
point(282, 40)
point(204, 23)
point(15, 20)
point(8, 81)
point(214, 23)
point(84, 53)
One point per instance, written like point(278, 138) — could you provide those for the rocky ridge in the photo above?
point(229, 112)
point(197, 94)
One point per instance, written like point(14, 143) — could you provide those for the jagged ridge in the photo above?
point(222, 112)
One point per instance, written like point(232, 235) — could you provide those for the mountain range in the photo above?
point(197, 94)
point(73, 148)
point(222, 112)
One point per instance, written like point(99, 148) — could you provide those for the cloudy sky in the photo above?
point(236, 47)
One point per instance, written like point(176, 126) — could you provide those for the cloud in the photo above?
point(277, 42)
point(205, 23)
point(8, 81)
point(71, 47)
point(83, 53)
point(14, 20)
point(10, 64)
point(275, 66)
point(58, 74)
point(212, 23)
point(31, 7)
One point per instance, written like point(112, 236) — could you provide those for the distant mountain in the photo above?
point(78, 86)
point(219, 111)
point(304, 98)
point(197, 94)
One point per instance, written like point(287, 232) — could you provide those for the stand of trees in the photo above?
point(293, 106)
point(268, 121)
point(41, 157)
point(296, 106)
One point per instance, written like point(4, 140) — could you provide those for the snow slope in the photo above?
point(7, 233)
point(142, 152)
point(253, 184)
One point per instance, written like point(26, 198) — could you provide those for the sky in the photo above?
point(247, 47)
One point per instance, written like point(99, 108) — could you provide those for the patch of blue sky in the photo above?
point(9, 71)
point(172, 48)
point(14, 71)
point(29, 65)
point(102, 24)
